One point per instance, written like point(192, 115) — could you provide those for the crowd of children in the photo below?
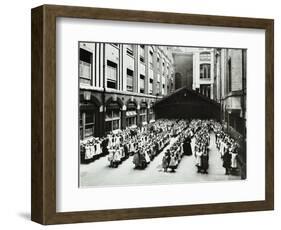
point(160, 136)
point(228, 149)
point(202, 142)
point(145, 143)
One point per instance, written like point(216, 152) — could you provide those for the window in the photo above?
point(111, 75)
point(112, 120)
point(205, 71)
point(131, 117)
point(81, 125)
point(142, 53)
point(130, 121)
point(115, 44)
point(158, 88)
point(130, 50)
point(142, 82)
point(158, 64)
point(229, 75)
point(89, 124)
point(163, 89)
point(143, 116)
point(150, 57)
point(205, 90)
point(164, 69)
point(150, 86)
point(151, 113)
point(130, 75)
point(205, 56)
point(85, 66)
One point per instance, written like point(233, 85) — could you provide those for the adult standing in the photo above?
point(227, 161)
point(173, 162)
point(187, 146)
point(205, 161)
point(166, 161)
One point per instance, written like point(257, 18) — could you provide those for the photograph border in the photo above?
point(43, 98)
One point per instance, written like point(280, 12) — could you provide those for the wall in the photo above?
point(183, 65)
point(236, 65)
point(15, 114)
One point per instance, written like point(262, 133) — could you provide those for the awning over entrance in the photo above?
point(131, 113)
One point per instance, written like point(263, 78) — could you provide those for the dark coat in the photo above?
point(226, 160)
point(204, 161)
point(165, 161)
point(139, 160)
point(187, 147)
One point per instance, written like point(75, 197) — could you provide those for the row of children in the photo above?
point(157, 142)
point(228, 149)
point(144, 143)
point(182, 146)
point(92, 149)
point(201, 148)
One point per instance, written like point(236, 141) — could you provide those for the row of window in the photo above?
point(112, 120)
point(85, 70)
point(130, 52)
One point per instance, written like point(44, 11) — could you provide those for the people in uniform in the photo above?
point(144, 144)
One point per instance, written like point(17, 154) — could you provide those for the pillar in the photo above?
point(154, 91)
point(147, 114)
point(101, 121)
point(146, 51)
point(136, 72)
point(123, 117)
point(83, 124)
point(138, 116)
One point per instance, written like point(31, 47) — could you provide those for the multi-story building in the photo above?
point(230, 87)
point(230, 92)
point(203, 71)
point(119, 84)
point(194, 69)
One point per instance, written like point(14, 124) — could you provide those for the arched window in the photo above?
point(88, 110)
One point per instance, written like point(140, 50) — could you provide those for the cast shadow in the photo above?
point(24, 215)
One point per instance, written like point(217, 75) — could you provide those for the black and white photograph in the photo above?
point(161, 114)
